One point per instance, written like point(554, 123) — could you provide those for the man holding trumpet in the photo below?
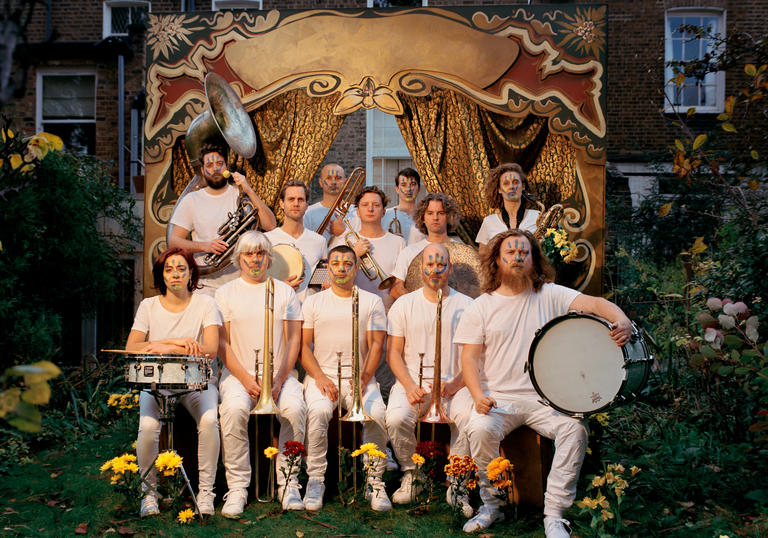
point(327, 339)
point(243, 306)
point(412, 339)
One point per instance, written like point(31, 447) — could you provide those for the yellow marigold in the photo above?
point(132, 467)
point(271, 452)
point(549, 232)
point(365, 447)
point(167, 462)
point(598, 481)
point(376, 454)
point(607, 515)
point(501, 484)
point(113, 400)
point(185, 516)
point(107, 465)
point(471, 484)
point(357, 452)
point(602, 418)
point(635, 470)
point(418, 459)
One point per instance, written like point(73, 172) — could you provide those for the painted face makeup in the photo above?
point(511, 186)
point(254, 263)
point(407, 188)
point(435, 268)
point(213, 168)
point(515, 252)
point(341, 266)
point(331, 182)
point(176, 273)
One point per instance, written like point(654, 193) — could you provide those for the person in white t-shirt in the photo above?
point(293, 202)
point(242, 306)
point(202, 212)
point(331, 181)
point(327, 335)
point(496, 333)
point(177, 321)
point(506, 191)
point(411, 330)
point(436, 215)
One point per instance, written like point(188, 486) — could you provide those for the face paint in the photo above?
point(515, 254)
point(331, 182)
point(176, 273)
point(341, 266)
point(213, 169)
point(254, 263)
point(408, 188)
point(434, 268)
point(510, 186)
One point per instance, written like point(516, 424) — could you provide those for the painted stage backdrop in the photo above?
point(470, 87)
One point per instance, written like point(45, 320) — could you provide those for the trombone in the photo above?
point(266, 404)
point(434, 414)
point(370, 268)
point(345, 198)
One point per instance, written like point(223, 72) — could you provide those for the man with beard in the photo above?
point(496, 333)
point(331, 181)
point(202, 212)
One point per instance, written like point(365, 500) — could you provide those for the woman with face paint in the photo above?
point(178, 321)
point(504, 187)
point(327, 333)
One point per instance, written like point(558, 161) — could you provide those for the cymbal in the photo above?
point(465, 276)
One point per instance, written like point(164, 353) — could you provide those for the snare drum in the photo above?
point(158, 371)
point(287, 262)
point(578, 369)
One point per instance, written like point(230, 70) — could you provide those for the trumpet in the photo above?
point(266, 404)
point(394, 225)
point(345, 198)
point(370, 268)
point(435, 414)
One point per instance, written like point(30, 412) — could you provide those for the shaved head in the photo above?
point(435, 248)
point(326, 170)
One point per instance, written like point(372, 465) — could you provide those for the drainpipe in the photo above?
point(121, 120)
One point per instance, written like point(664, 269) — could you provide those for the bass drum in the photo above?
point(578, 369)
point(287, 262)
point(465, 277)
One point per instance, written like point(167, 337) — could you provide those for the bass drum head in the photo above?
point(287, 262)
point(575, 365)
point(465, 277)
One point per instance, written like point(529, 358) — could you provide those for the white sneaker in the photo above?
point(378, 496)
point(405, 493)
point(555, 527)
point(205, 498)
point(291, 497)
point(391, 462)
point(485, 517)
point(313, 498)
point(149, 505)
point(466, 508)
point(234, 503)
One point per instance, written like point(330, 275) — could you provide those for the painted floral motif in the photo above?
point(166, 33)
point(585, 31)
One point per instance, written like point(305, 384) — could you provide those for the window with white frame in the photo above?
point(235, 4)
point(66, 106)
point(387, 152)
point(706, 95)
point(120, 15)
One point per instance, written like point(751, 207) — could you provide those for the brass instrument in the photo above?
point(227, 118)
point(394, 225)
point(548, 218)
point(345, 198)
point(356, 412)
point(266, 404)
point(368, 265)
point(435, 413)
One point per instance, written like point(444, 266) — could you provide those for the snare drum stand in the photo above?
point(167, 405)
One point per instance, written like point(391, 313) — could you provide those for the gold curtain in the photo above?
point(454, 142)
point(294, 131)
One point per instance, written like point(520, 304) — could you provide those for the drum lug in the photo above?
point(544, 402)
point(525, 367)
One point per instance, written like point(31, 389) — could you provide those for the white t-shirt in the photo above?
point(314, 216)
point(385, 250)
point(312, 247)
point(507, 327)
point(411, 233)
point(494, 225)
point(330, 316)
point(160, 324)
point(413, 317)
point(203, 213)
point(242, 305)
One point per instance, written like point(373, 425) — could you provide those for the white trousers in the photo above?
point(485, 433)
point(202, 407)
point(319, 412)
point(235, 409)
point(402, 417)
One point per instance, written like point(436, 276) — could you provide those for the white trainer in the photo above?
point(466, 508)
point(234, 503)
point(555, 527)
point(149, 506)
point(377, 494)
point(407, 490)
point(486, 516)
point(291, 497)
point(313, 498)
point(205, 498)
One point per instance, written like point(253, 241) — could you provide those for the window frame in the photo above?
point(107, 10)
point(692, 11)
point(64, 71)
point(218, 5)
